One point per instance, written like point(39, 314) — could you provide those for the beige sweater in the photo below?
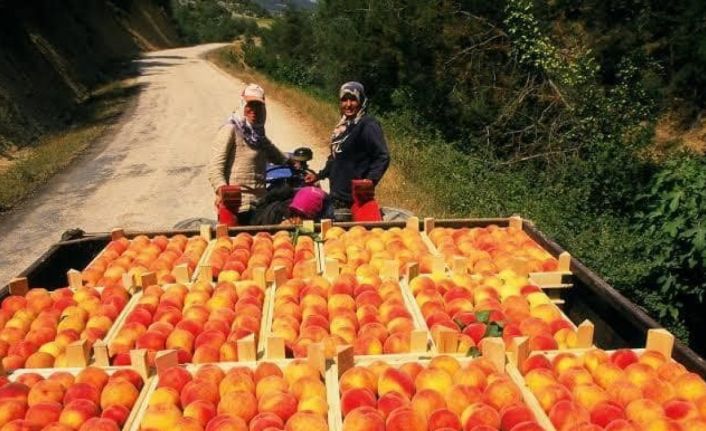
point(234, 162)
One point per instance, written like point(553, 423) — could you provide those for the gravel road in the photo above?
point(150, 172)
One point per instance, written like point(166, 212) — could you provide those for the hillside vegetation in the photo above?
point(545, 109)
point(54, 54)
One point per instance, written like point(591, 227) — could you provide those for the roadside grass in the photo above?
point(33, 166)
point(397, 189)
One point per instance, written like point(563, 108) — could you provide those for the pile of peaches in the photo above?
point(491, 249)
point(37, 327)
point(292, 398)
point(358, 246)
point(91, 400)
point(360, 310)
point(202, 323)
point(490, 306)
point(142, 254)
point(444, 395)
point(234, 258)
point(622, 390)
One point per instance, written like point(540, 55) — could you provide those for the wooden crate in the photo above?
point(420, 341)
point(446, 342)
point(658, 340)
point(493, 350)
point(177, 271)
point(168, 359)
point(140, 366)
point(78, 353)
point(248, 347)
point(554, 283)
point(204, 266)
point(412, 223)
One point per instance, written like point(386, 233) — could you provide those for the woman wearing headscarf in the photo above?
point(358, 147)
point(240, 154)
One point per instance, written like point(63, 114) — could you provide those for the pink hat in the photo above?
point(308, 201)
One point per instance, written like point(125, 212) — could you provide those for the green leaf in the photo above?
point(493, 330)
point(473, 352)
point(460, 324)
point(483, 316)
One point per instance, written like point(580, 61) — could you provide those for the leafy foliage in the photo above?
point(673, 206)
point(201, 21)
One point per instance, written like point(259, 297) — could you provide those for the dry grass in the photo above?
point(31, 167)
point(396, 188)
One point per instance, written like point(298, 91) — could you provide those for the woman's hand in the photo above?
point(310, 178)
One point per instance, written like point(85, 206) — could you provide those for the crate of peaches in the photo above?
point(235, 258)
point(280, 395)
point(364, 310)
point(130, 258)
point(491, 249)
point(202, 321)
point(89, 399)
point(620, 390)
point(462, 309)
point(441, 393)
point(359, 246)
point(37, 326)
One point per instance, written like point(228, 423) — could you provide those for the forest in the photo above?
point(583, 116)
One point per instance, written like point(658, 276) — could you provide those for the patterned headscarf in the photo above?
point(345, 126)
point(253, 134)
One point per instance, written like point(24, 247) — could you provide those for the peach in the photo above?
point(398, 342)
point(201, 410)
point(513, 415)
point(643, 411)
point(393, 379)
point(551, 394)
point(358, 377)
point(623, 357)
point(662, 424)
point(180, 339)
point(11, 409)
point(265, 420)
point(119, 392)
point(690, 386)
point(694, 425)
point(241, 404)
point(589, 395)
point(206, 354)
point(14, 391)
point(270, 384)
point(315, 404)
point(45, 391)
point(29, 379)
point(210, 373)
point(117, 414)
point(175, 377)
point(282, 404)
point(607, 374)
point(42, 414)
point(535, 361)
point(446, 363)
point(443, 419)
point(199, 390)
point(56, 426)
point(99, 424)
point(226, 423)
point(94, 376)
point(160, 417)
point(480, 414)
point(623, 392)
point(164, 395)
point(81, 391)
point(265, 369)
point(659, 391)
point(297, 369)
point(680, 410)
point(77, 412)
point(502, 393)
point(405, 419)
point(567, 414)
point(356, 397)
point(435, 379)
point(620, 425)
point(390, 401)
point(539, 378)
point(461, 396)
point(305, 421)
point(670, 370)
point(367, 344)
point(188, 424)
point(307, 387)
point(238, 379)
point(606, 412)
point(574, 377)
point(427, 401)
point(527, 426)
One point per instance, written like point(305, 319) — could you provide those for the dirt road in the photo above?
point(151, 171)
